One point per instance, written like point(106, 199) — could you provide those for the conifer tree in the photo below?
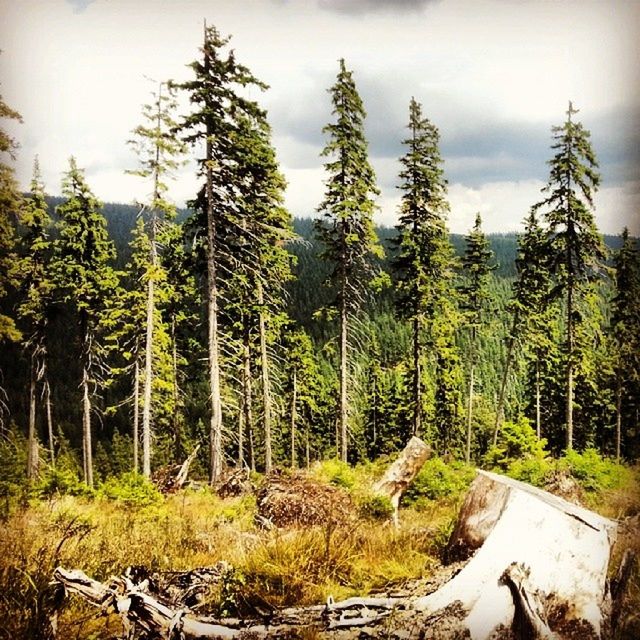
point(158, 148)
point(217, 104)
point(346, 228)
point(575, 246)
point(34, 309)
point(424, 259)
point(529, 306)
point(476, 270)
point(10, 207)
point(83, 254)
point(625, 326)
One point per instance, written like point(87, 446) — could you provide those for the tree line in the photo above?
point(198, 337)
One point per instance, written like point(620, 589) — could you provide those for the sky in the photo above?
point(493, 75)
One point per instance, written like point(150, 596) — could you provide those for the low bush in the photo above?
point(132, 490)
point(375, 508)
point(593, 472)
point(439, 479)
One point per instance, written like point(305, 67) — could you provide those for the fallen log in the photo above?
point(402, 472)
point(171, 479)
point(539, 572)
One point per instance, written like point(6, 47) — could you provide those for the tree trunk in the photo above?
point(344, 411)
point(32, 445)
point(175, 392)
point(570, 348)
point(47, 401)
point(467, 453)
point(401, 473)
point(266, 386)
point(136, 414)
point(503, 384)
point(148, 375)
point(618, 420)
point(417, 390)
point(86, 428)
point(294, 399)
point(538, 412)
point(252, 450)
point(246, 393)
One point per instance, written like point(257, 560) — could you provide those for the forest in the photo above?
point(135, 334)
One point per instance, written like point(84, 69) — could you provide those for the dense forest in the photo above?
point(132, 333)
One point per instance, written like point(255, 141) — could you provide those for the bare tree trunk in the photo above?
point(246, 393)
point(618, 420)
point(344, 409)
point(136, 413)
point(86, 428)
point(215, 434)
point(266, 388)
point(538, 412)
point(570, 347)
point(252, 450)
point(148, 373)
point(467, 455)
point(294, 399)
point(32, 445)
point(47, 402)
point(417, 389)
point(175, 391)
point(503, 384)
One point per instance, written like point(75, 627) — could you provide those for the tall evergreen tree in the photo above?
point(474, 291)
point(346, 228)
point(424, 259)
point(217, 104)
point(158, 148)
point(10, 207)
point(83, 254)
point(529, 306)
point(34, 309)
point(575, 245)
point(625, 325)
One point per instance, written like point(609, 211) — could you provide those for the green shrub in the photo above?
point(131, 489)
point(593, 472)
point(375, 508)
point(516, 441)
point(439, 479)
point(61, 481)
point(335, 472)
point(534, 471)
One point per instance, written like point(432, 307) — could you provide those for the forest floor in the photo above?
point(107, 532)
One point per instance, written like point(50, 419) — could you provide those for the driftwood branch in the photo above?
point(539, 571)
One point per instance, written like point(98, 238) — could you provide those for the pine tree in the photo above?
point(576, 247)
point(10, 207)
point(158, 148)
point(214, 94)
point(529, 306)
point(83, 254)
point(35, 307)
point(476, 270)
point(625, 328)
point(424, 258)
point(346, 228)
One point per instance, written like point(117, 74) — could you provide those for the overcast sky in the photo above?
point(493, 75)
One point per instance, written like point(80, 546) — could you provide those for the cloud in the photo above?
point(360, 7)
point(80, 5)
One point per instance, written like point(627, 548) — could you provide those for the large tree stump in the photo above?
point(402, 472)
point(539, 571)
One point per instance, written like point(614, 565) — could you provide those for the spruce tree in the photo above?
point(625, 328)
point(217, 103)
point(83, 253)
point(575, 245)
point(346, 228)
point(424, 259)
point(35, 307)
point(474, 296)
point(158, 149)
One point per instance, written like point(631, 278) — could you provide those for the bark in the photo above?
point(175, 391)
point(618, 420)
point(467, 452)
point(32, 444)
point(570, 348)
point(401, 473)
point(47, 402)
point(86, 428)
point(266, 385)
point(417, 390)
point(503, 384)
point(294, 399)
point(540, 572)
point(148, 379)
point(246, 393)
point(136, 414)
point(344, 411)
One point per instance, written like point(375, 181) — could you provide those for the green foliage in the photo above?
point(594, 472)
point(439, 479)
point(375, 508)
point(517, 441)
point(335, 472)
point(57, 481)
point(132, 490)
